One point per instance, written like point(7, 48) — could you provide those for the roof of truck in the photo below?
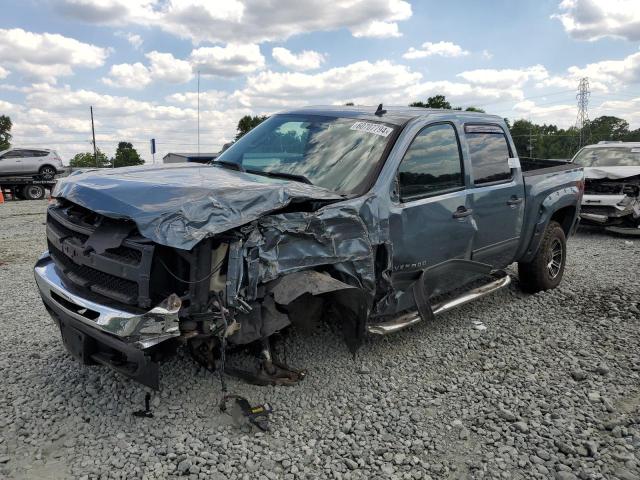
point(396, 115)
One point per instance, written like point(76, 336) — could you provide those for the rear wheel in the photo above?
point(33, 192)
point(545, 271)
point(47, 172)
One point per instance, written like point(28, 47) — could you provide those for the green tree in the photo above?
point(247, 123)
point(87, 160)
point(126, 156)
point(608, 128)
point(5, 129)
point(474, 109)
point(437, 101)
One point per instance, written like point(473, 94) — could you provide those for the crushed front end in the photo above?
point(613, 204)
point(124, 301)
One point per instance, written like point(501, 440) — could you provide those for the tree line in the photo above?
point(532, 140)
point(126, 156)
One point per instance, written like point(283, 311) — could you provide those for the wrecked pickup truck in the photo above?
point(375, 218)
point(612, 186)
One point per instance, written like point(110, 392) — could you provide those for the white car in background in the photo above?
point(612, 186)
point(39, 163)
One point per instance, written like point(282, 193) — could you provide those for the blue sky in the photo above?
point(135, 62)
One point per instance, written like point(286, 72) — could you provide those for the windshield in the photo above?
point(339, 154)
point(608, 157)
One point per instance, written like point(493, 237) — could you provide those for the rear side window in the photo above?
point(432, 163)
point(40, 153)
point(489, 153)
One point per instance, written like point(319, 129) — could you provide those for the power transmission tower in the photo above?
point(582, 120)
point(93, 134)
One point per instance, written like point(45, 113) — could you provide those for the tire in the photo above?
point(47, 172)
point(545, 271)
point(33, 192)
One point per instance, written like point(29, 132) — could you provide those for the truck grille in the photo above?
point(121, 274)
point(598, 187)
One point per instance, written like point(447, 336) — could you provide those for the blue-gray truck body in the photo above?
point(142, 255)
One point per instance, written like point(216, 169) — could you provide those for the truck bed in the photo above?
point(547, 183)
point(540, 166)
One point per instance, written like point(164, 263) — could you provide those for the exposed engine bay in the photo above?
point(613, 203)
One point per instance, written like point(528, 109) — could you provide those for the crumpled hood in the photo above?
point(180, 205)
point(613, 173)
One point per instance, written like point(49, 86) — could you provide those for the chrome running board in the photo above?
point(408, 319)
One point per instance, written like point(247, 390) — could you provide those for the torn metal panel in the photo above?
point(298, 241)
point(289, 287)
point(180, 205)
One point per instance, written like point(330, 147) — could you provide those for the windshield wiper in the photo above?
point(289, 176)
point(233, 165)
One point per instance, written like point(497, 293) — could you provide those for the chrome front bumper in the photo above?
point(140, 329)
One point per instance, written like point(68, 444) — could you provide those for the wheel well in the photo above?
point(564, 217)
point(47, 165)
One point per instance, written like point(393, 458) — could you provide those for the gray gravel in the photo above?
point(550, 389)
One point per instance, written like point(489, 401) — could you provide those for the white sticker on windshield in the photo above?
point(375, 128)
point(514, 162)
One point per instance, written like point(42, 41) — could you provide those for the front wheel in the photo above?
point(545, 271)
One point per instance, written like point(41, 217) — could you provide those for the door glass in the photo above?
point(432, 163)
point(489, 156)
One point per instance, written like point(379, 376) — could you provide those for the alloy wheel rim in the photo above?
point(555, 258)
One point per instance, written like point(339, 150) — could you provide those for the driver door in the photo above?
point(432, 222)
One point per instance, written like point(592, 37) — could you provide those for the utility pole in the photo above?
point(93, 134)
point(198, 112)
point(582, 119)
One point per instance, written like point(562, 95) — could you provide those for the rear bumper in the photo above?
point(96, 333)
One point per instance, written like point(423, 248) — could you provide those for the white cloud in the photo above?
point(441, 49)
point(377, 29)
point(603, 76)
point(305, 60)
point(595, 19)
point(55, 117)
point(563, 115)
point(134, 39)
point(127, 75)
point(505, 78)
point(4, 73)
point(487, 55)
point(46, 55)
point(355, 82)
point(228, 61)
point(246, 21)
point(166, 67)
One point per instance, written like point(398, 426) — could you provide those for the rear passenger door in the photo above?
point(497, 196)
point(431, 223)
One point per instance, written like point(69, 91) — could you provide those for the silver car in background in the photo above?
point(41, 163)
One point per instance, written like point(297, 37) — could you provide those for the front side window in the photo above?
point(340, 154)
point(489, 152)
point(608, 157)
point(432, 163)
point(14, 154)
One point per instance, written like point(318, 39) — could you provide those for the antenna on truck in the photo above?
point(380, 111)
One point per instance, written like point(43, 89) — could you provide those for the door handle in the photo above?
point(514, 201)
point(462, 212)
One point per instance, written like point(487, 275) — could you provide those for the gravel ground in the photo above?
point(550, 389)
